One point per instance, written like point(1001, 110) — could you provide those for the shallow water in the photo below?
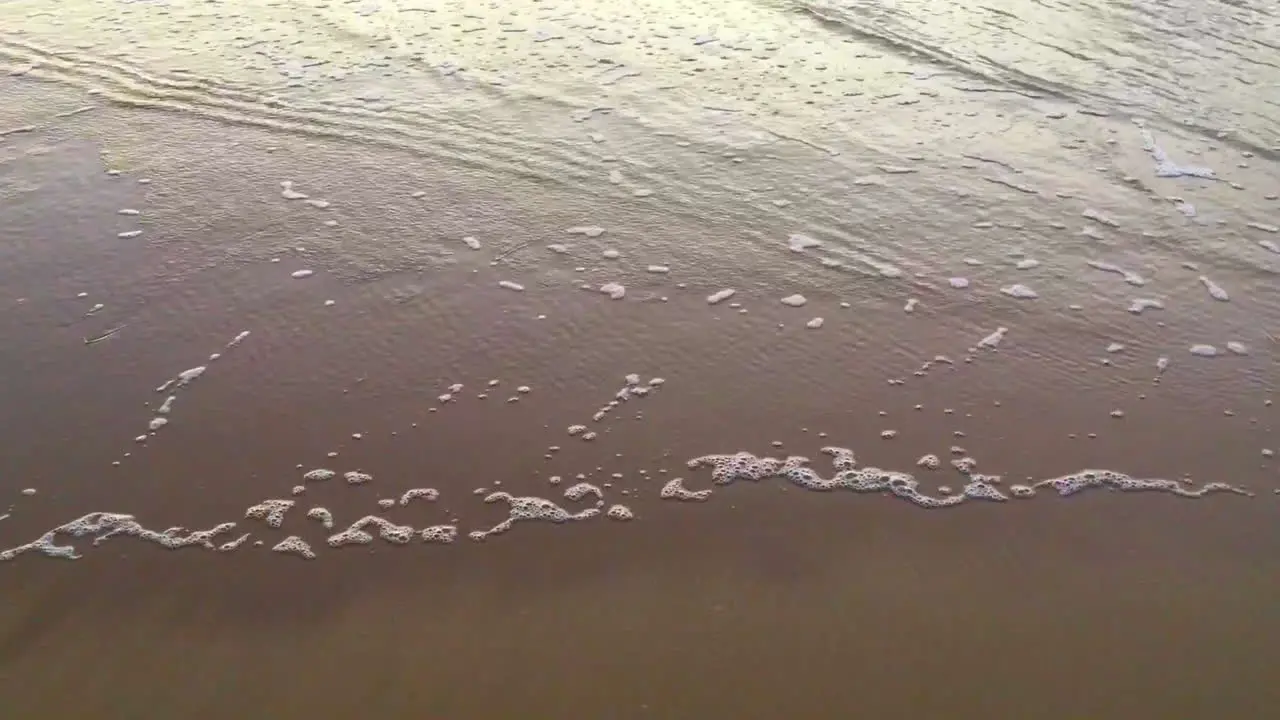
point(392, 199)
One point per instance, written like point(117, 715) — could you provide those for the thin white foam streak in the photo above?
point(174, 386)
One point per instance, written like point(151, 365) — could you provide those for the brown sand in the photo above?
point(762, 603)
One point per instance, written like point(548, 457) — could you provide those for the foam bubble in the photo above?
point(322, 515)
point(993, 340)
point(815, 323)
point(271, 511)
point(1130, 277)
point(295, 545)
point(841, 458)
point(1167, 168)
point(288, 193)
point(911, 305)
point(1115, 347)
point(387, 530)
point(1021, 292)
point(796, 300)
point(727, 469)
point(610, 254)
point(1141, 304)
point(429, 494)
point(354, 477)
point(509, 285)
point(590, 231)
point(1026, 264)
point(1203, 350)
point(800, 243)
point(386, 503)
point(353, 535)
point(675, 490)
point(620, 512)
point(1094, 215)
point(1238, 348)
point(1215, 291)
point(301, 274)
point(156, 423)
point(980, 487)
point(167, 406)
point(239, 338)
point(522, 509)
point(958, 283)
point(720, 296)
point(442, 534)
point(929, 462)
point(232, 545)
point(614, 290)
point(471, 242)
point(186, 377)
point(318, 475)
point(581, 490)
point(658, 269)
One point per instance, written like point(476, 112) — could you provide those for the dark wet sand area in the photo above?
point(766, 601)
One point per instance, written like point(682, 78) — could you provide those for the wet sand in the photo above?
point(766, 600)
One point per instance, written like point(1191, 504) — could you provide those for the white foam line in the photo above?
point(181, 381)
point(744, 466)
point(105, 525)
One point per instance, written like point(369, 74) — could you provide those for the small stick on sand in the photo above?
point(507, 253)
point(103, 336)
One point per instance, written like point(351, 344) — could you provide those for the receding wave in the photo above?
point(1135, 58)
point(438, 134)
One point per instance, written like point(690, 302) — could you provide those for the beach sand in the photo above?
point(765, 601)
